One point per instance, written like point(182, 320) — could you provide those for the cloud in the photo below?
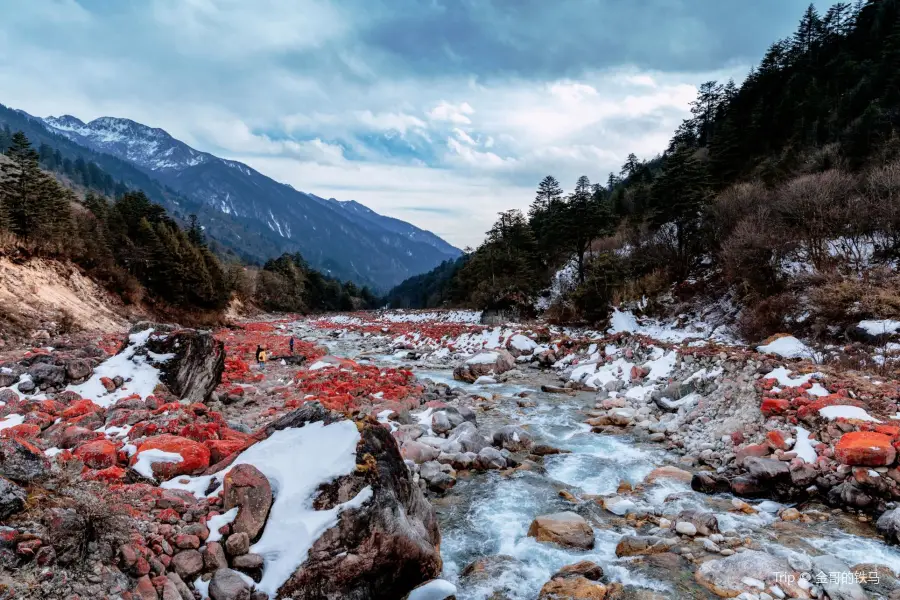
point(441, 112)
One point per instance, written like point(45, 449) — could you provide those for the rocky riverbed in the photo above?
point(395, 450)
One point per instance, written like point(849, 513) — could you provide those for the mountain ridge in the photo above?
point(258, 217)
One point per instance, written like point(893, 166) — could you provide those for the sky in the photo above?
point(438, 112)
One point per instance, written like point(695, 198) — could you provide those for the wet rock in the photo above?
point(634, 545)
point(436, 589)
point(668, 472)
point(731, 576)
point(710, 483)
point(249, 490)
point(12, 499)
point(440, 423)
point(489, 570)
point(490, 458)
point(441, 482)
point(888, 525)
point(704, 522)
point(573, 588)
point(493, 362)
point(585, 568)
point(512, 438)
point(228, 585)
point(877, 580)
point(837, 579)
point(418, 452)
point(685, 528)
point(564, 528)
point(618, 505)
point(21, 461)
point(766, 469)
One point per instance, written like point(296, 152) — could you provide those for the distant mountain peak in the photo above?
point(65, 122)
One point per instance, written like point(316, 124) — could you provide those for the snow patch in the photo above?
point(148, 458)
point(787, 347)
point(846, 412)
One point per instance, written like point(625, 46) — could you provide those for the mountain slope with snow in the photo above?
point(259, 217)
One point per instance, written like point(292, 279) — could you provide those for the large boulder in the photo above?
point(888, 525)
point(193, 361)
point(492, 362)
point(228, 585)
point(564, 528)
point(839, 581)
point(865, 448)
point(384, 548)
point(732, 576)
point(513, 438)
point(194, 456)
point(249, 490)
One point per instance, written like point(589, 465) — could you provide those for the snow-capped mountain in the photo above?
point(150, 148)
point(262, 216)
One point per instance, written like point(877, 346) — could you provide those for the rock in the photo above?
point(790, 514)
point(564, 528)
point(194, 456)
point(248, 562)
point(685, 528)
point(709, 483)
point(618, 505)
point(440, 423)
point(78, 369)
point(493, 362)
point(45, 375)
point(668, 472)
point(436, 589)
point(22, 461)
point(490, 572)
point(731, 576)
point(214, 557)
point(237, 544)
point(228, 585)
point(383, 548)
point(12, 499)
point(99, 454)
point(441, 482)
point(573, 588)
point(512, 438)
point(837, 579)
point(704, 522)
point(766, 469)
point(490, 458)
point(877, 580)
point(585, 568)
point(634, 545)
point(865, 448)
point(67, 532)
point(418, 452)
point(144, 590)
point(249, 490)
point(197, 365)
point(888, 525)
point(188, 564)
point(180, 586)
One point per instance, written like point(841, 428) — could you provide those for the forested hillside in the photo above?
point(134, 248)
point(784, 189)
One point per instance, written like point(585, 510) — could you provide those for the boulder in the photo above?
point(564, 528)
point(99, 454)
point(704, 522)
point(888, 525)
point(839, 581)
point(67, 531)
point(22, 461)
point(766, 469)
point(865, 448)
point(188, 564)
point(12, 499)
point(382, 549)
point(734, 575)
point(195, 364)
point(490, 458)
point(573, 588)
point(228, 585)
point(668, 472)
point(639, 545)
point(249, 490)
point(194, 456)
point(585, 568)
point(418, 452)
point(440, 422)
point(492, 362)
point(45, 375)
point(78, 369)
point(512, 438)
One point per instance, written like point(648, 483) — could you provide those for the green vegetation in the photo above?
point(798, 163)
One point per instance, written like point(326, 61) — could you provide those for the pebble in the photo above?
point(685, 528)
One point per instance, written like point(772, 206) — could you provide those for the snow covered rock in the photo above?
point(382, 547)
point(191, 362)
point(489, 363)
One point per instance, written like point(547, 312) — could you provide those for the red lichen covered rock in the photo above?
point(194, 455)
point(774, 406)
point(865, 448)
point(99, 454)
point(776, 440)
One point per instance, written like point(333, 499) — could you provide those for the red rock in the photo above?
point(167, 515)
point(25, 431)
point(29, 547)
point(187, 542)
point(99, 454)
point(108, 384)
point(758, 450)
point(774, 406)
point(737, 438)
point(889, 430)
point(109, 475)
point(194, 455)
point(75, 436)
point(222, 449)
point(78, 408)
point(776, 440)
point(865, 448)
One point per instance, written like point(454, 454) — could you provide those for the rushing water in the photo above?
point(488, 514)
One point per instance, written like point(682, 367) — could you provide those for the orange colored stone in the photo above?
point(776, 440)
point(774, 406)
point(78, 408)
point(194, 455)
point(865, 448)
point(99, 454)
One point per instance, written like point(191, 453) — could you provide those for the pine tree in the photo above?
point(195, 232)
